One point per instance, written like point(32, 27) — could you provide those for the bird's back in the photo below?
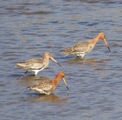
point(44, 87)
point(34, 63)
point(79, 48)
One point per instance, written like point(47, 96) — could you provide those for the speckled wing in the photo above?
point(78, 48)
point(31, 64)
point(81, 47)
point(45, 85)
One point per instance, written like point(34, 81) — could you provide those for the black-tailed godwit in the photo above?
point(36, 64)
point(47, 86)
point(82, 48)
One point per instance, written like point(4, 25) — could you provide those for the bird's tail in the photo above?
point(31, 88)
point(67, 51)
point(21, 65)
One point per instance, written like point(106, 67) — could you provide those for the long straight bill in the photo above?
point(54, 60)
point(65, 83)
point(106, 44)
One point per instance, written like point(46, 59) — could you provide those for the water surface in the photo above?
point(29, 28)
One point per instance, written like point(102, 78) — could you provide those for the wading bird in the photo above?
point(36, 64)
point(47, 86)
point(80, 49)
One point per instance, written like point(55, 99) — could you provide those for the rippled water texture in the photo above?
point(28, 28)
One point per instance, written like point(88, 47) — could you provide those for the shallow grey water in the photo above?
point(29, 28)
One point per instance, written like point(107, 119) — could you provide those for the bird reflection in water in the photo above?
point(84, 61)
point(92, 61)
point(48, 98)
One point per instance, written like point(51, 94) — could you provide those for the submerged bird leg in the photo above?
point(79, 57)
point(36, 72)
point(25, 72)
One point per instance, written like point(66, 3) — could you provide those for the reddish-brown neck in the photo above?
point(57, 79)
point(96, 39)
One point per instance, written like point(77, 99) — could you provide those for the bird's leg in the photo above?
point(79, 57)
point(26, 72)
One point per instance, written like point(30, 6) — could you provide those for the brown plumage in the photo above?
point(82, 48)
point(47, 86)
point(36, 64)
